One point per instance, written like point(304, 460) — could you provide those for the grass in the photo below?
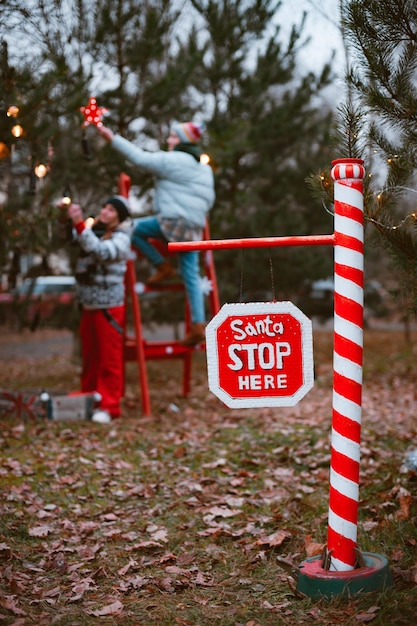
point(179, 518)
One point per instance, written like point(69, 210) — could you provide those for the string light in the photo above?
point(17, 131)
point(13, 111)
point(329, 211)
point(41, 170)
point(66, 198)
point(4, 150)
point(379, 197)
point(397, 226)
point(89, 222)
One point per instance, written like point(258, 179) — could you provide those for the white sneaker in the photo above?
point(101, 417)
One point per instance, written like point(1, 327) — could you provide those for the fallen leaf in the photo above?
point(9, 602)
point(40, 531)
point(222, 511)
point(365, 617)
point(312, 548)
point(5, 549)
point(115, 608)
point(276, 539)
point(405, 500)
point(160, 535)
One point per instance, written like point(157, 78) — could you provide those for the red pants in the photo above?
point(102, 356)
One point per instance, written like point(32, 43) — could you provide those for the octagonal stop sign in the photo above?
point(260, 354)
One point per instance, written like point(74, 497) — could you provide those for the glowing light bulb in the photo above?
point(13, 111)
point(66, 199)
point(4, 150)
point(41, 170)
point(17, 131)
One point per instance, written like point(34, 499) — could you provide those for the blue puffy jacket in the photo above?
point(184, 188)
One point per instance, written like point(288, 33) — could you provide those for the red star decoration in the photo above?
point(93, 113)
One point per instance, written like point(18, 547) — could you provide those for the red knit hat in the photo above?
point(189, 132)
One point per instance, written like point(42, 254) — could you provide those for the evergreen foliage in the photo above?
point(226, 62)
point(382, 39)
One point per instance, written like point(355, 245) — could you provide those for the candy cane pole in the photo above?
point(347, 362)
point(343, 569)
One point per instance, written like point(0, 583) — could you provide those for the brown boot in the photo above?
point(196, 335)
point(165, 271)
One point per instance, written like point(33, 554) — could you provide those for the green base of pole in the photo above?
point(316, 582)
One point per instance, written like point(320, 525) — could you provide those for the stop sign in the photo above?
point(260, 354)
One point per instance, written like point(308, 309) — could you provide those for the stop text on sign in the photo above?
point(260, 354)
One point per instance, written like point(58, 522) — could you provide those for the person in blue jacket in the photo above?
point(184, 194)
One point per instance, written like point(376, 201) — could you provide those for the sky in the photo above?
point(322, 27)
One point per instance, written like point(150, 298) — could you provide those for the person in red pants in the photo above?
point(101, 266)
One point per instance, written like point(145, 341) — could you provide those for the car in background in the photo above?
point(317, 299)
point(42, 300)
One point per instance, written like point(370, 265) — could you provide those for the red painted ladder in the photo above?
point(136, 348)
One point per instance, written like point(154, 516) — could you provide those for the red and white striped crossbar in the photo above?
point(252, 242)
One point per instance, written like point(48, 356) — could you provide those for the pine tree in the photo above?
point(266, 135)
point(382, 37)
point(227, 64)
point(48, 77)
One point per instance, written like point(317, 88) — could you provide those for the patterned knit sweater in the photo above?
point(101, 267)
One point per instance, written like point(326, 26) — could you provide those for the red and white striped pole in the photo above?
point(347, 362)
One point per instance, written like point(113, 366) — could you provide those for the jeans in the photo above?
point(148, 227)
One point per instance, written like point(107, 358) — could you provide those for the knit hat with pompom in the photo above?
point(189, 132)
